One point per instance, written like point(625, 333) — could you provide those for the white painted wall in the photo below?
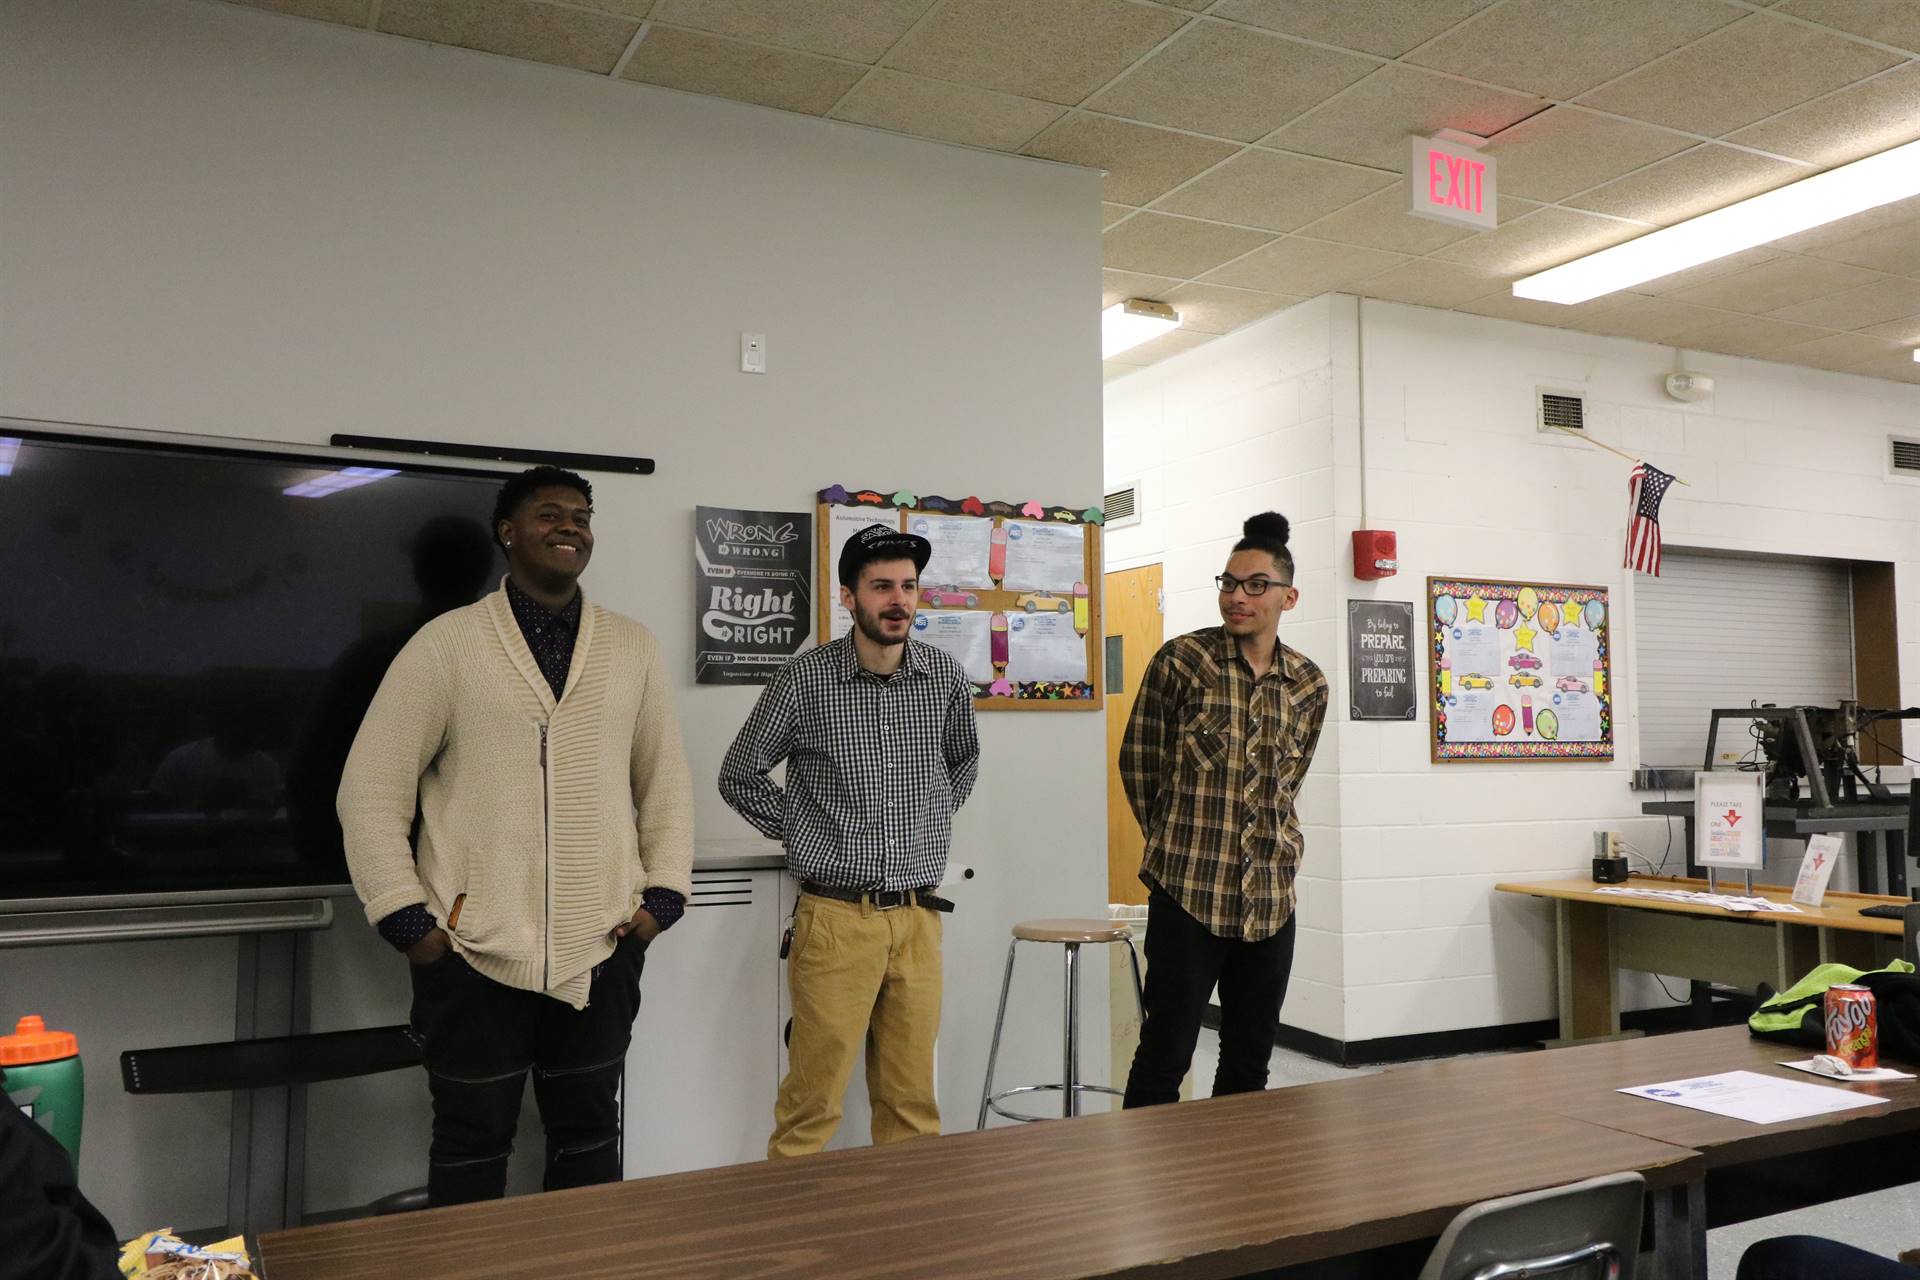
point(224, 222)
point(1783, 460)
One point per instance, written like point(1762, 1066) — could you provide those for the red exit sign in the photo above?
point(1451, 183)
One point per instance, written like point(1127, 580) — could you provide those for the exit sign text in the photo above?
point(1451, 183)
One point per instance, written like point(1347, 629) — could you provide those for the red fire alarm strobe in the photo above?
point(1375, 554)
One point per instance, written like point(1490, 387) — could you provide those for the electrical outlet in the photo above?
point(753, 353)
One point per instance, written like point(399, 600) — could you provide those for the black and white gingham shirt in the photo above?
point(876, 766)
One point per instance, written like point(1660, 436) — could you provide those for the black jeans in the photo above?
point(481, 1038)
point(1812, 1258)
point(1184, 963)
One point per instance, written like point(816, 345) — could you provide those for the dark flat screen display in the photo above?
point(189, 638)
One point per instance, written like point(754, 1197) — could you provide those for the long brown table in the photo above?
point(1219, 1188)
point(1582, 1082)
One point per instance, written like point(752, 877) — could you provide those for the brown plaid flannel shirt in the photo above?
point(1212, 761)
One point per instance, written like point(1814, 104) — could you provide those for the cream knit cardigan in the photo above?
point(551, 819)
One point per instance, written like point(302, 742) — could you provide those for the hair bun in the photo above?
point(1268, 526)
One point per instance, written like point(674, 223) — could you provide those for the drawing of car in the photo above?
point(1475, 682)
point(939, 596)
point(1524, 661)
point(1524, 680)
point(1040, 600)
point(1570, 684)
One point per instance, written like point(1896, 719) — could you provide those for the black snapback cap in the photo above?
point(882, 542)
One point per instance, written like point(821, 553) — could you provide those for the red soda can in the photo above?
point(1853, 1031)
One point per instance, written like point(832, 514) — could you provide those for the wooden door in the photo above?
point(1134, 629)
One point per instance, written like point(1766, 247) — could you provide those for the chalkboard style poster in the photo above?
point(1382, 641)
point(751, 592)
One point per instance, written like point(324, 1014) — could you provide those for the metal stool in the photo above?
point(1071, 934)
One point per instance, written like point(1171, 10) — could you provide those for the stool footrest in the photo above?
point(993, 1102)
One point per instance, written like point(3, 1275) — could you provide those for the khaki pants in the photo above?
point(859, 976)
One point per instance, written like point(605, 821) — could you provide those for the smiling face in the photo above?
point(1246, 614)
point(550, 537)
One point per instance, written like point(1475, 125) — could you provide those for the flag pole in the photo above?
point(1620, 453)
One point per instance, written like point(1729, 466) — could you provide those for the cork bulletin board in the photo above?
point(1012, 591)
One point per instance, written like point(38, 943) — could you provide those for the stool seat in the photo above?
point(1072, 931)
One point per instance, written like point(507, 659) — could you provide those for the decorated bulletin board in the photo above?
point(1520, 671)
point(1012, 591)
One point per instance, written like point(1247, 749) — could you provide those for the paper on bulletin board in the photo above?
point(963, 635)
point(842, 524)
point(1044, 646)
point(961, 548)
point(1518, 670)
point(1045, 557)
point(1728, 818)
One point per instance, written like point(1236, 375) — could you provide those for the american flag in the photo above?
point(1645, 487)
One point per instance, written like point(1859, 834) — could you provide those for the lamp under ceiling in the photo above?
point(1126, 325)
point(1811, 202)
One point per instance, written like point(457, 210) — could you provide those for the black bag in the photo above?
point(1896, 1004)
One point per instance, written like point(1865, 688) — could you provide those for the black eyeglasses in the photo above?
point(1252, 586)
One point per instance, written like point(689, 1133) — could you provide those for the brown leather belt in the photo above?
point(882, 899)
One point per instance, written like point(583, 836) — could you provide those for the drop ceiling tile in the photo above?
point(1230, 82)
point(1155, 244)
point(1892, 298)
point(1905, 333)
point(1304, 267)
point(1848, 125)
point(1502, 305)
point(1142, 163)
point(1112, 213)
point(1212, 308)
point(1776, 284)
point(1544, 238)
point(1426, 283)
point(1694, 182)
point(1851, 353)
point(1385, 27)
point(1706, 271)
point(1270, 189)
point(946, 112)
point(1895, 22)
point(1163, 347)
point(723, 68)
point(1561, 48)
point(1054, 50)
point(1371, 122)
point(351, 12)
point(1738, 75)
point(1632, 315)
point(1381, 221)
point(860, 30)
point(516, 28)
point(1747, 336)
point(1118, 286)
point(1566, 150)
point(1895, 250)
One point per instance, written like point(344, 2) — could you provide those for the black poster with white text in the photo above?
point(752, 585)
point(1381, 636)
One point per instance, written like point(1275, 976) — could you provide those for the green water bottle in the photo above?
point(43, 1077)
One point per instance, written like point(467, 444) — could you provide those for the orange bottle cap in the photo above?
point(31, 1042)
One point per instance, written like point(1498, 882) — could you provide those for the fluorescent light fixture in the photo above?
point(1810, 202)
point(9, 450)
point(1916, 358)
point(336, 481)
point(1126, 325)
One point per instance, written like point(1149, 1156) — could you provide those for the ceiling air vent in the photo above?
point(1122, 506)
point(1562, 409)
point(1903, 456)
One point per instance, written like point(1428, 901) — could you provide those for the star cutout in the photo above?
point(1476, 610)
point(1523, 638)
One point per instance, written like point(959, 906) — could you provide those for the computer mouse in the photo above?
point(1827, 1064)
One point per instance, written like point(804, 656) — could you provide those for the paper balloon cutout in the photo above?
point(1443, 610)
point(1502, 720)
point(1546, 723)
point(1505, 614)
point(1529, 601)
point(1549, 617)
point(1596, 614)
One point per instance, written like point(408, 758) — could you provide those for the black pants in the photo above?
point(1811, 1258)
point(1184, 963)
point(481, 1038)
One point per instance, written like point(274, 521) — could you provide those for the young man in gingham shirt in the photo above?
point(877, 733)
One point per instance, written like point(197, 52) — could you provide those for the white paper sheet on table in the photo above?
point(1725, 901)
point(1044, 646)
point(961, 547)
point(1756, 1098)
point(1044, 557)
point(965, 636)
point(1861, 1075)
point(843, 523)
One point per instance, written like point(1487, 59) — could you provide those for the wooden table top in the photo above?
point(1221, 1188)
point(1580, 1081)
point(1837, 911)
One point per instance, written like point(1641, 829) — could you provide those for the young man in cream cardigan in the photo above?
point(534, 734)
